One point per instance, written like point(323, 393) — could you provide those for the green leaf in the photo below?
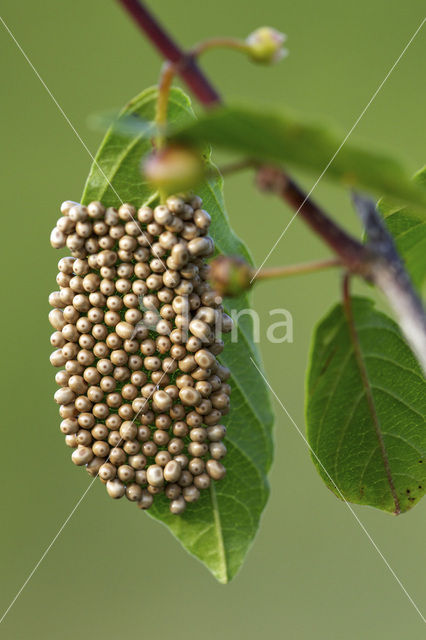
point(409, 231)
point(220, 527)
point(285, 139)
point(366, 415)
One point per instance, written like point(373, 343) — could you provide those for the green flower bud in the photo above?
point(265, 45)
point(174, 168)
point(230, 275)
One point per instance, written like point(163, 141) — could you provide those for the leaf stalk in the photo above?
point(220, 43)
point(164, 85)
point(297, 269)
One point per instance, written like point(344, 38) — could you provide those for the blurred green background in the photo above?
point(312, 572)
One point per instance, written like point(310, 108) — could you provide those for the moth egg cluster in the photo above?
point(137, 334)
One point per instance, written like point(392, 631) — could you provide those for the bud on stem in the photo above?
point(174, 168)
point(263, 46)
point(230, 276)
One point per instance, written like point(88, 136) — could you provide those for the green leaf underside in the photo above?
point(409, 230)
point(221, 526)
point(376, 456)
point(286, 139)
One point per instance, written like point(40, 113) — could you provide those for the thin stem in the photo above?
point(219, 43)
point(239, 165)
point(346, 294)
point(166, 78)
point(298, 269)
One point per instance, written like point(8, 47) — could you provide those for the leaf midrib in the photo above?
point(115, 168)
point(216, 513)
point(365, 380)
point(356, 402)
point(219, 534)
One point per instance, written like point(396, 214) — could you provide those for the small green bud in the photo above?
point(174, 168)
point(265, 45)
point(230, 275)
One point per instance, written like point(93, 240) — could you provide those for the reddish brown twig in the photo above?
point(185, 64)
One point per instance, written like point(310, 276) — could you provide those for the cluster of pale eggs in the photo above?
point(137, 332)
